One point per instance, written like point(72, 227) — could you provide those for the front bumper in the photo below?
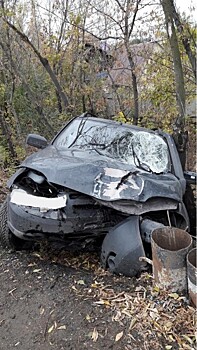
point(80, 216)
point(30, 223)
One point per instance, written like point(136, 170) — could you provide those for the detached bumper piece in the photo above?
point(122, 248)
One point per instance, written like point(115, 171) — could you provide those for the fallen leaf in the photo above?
point(17, 343)
point(157, 325)
point(133, 322)
point(154, 313)
point(168, 347)
point(81, 282)
point(11, 291)
point(156, 288)
point(36, 270)
point(100, 302)
point(168, 326)
point(41, 311)
point(2, 322)
point(119, 336)
point(88, 318)
point(170, 338)
point(126, 313)
point(173, 295)
point(74, 288)
point(148, 276)
point(187, 338)
point(95, 285)
point(94, 335)
point(61, 327)
point(50, 329)
point(103, 302)
point(37, 255)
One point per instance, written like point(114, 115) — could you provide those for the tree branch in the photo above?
point(43, 61)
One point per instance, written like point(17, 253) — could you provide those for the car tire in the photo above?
point(7, 238)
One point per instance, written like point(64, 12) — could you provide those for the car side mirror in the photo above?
point(36, 141)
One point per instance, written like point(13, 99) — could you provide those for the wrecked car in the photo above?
point(97, 178)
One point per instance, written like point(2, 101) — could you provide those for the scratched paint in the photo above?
point(113, 182)
point(115, 172)
point(113, 191)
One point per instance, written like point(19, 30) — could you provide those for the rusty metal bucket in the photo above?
point(192, 276)
point(169, 250)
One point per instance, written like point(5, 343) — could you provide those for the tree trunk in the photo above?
point(178, 71)
point(185, 40)
point(30, 93)
point(135, 88)
point(180, 136)
point(44, 62)
point(136, 99)
point(7, 133)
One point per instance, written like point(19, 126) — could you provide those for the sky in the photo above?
point(185, 6)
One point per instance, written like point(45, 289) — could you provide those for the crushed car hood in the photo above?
point(99, 176)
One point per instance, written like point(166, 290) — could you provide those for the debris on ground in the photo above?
point(65, 300)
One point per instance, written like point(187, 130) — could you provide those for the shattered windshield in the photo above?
point(143, 149)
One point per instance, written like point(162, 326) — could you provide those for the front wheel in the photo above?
point(7, 238)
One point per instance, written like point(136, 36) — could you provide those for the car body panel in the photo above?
point(101, 178)
point(79, 187)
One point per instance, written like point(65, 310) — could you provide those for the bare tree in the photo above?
point(43, 60)
point(117, 21)
point(180, 135)
point(185, 39)
point(7, 134)
point(168, 7)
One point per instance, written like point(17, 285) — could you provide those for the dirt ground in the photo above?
point(55, 299)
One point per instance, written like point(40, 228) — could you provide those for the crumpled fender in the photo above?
point(14, 176)
point(122, 247)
